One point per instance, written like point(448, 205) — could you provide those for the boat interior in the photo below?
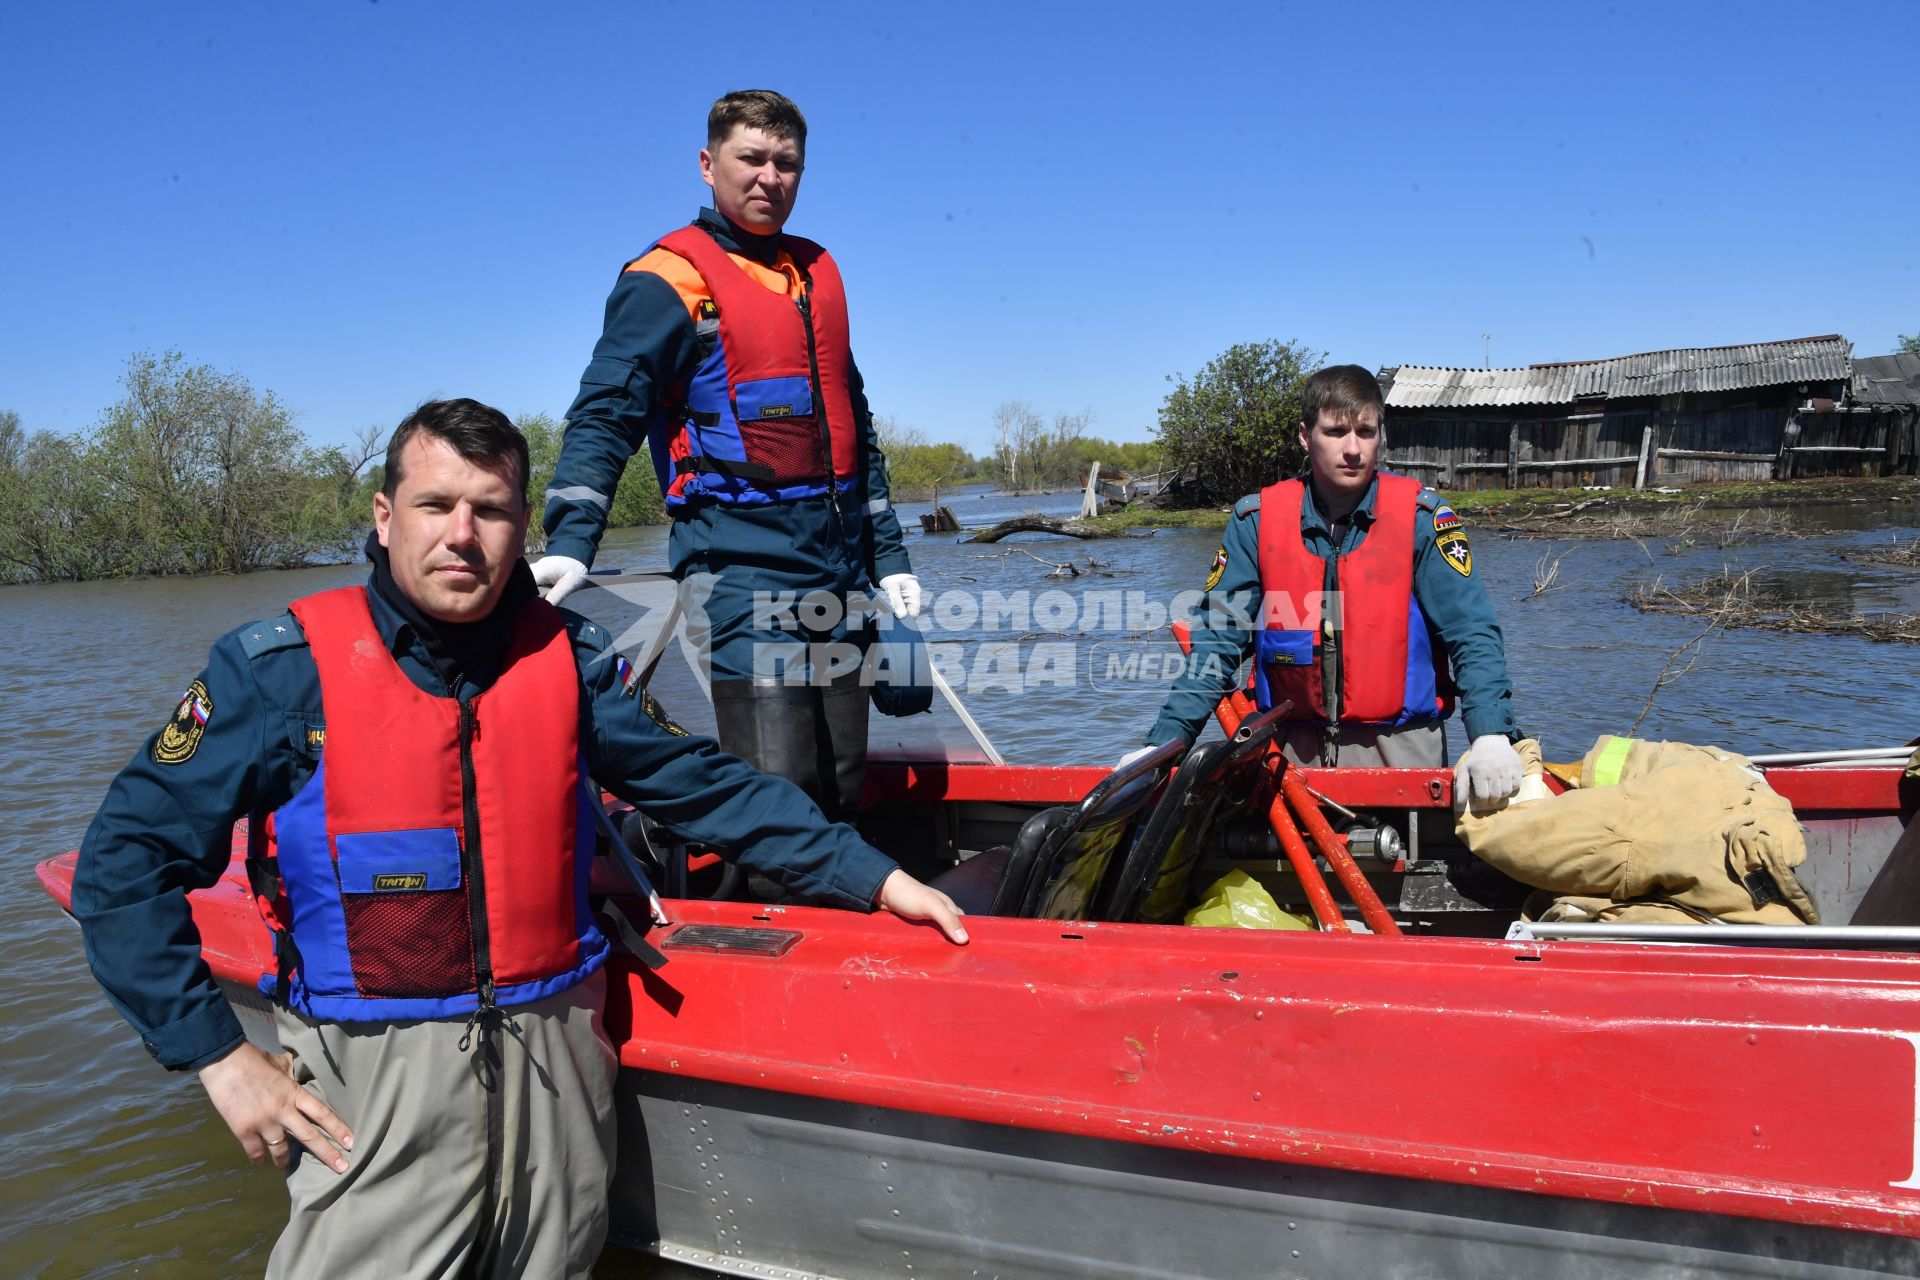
point(1363, 850)
point(1146, 840)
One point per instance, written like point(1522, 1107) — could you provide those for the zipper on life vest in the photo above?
point(820, 409)
point(1332, 657)
point(470, 864)
point(487, 1012)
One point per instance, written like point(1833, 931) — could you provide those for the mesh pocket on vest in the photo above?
point(791, 446)
point(410, 944)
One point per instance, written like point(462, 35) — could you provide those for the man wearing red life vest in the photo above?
point(1352, 591)
point(417, 759)
point(725, 352)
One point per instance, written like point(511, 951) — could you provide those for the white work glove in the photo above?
point(559, 575)
point(903, 594)
point(1493, 767)
point(1129, 758)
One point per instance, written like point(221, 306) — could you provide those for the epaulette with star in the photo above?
point(271, 636)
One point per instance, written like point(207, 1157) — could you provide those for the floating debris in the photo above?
point(1730, 601)
point(1905, 555)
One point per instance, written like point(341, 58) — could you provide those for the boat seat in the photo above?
point(1056, 865)
point(1150, 883)
point(993, 882)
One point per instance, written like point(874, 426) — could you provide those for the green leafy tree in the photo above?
point(1234, 427)
point(192, 471)
point(206, 475)
point(543, 433)
point(916, 469)
point(51, 505)
point(636, 501)
point(331, 522)
point(1031, 455)
point(1910, 344)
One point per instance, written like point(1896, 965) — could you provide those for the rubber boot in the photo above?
point(843, 728)
point(774, 728)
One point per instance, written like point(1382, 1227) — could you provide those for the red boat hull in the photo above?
point(1765, 1085)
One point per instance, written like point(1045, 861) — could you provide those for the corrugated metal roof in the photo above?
point(1887, 379)
point(1652, 373)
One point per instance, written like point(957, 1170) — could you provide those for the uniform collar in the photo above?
point(473, 650)
point(1363, 513)
point(735, 238)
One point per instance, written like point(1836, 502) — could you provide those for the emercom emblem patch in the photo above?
point(1453, 545)
point(181, 738)
point(1219, 568)
point(658, 714)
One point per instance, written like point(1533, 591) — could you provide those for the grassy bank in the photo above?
point(1522, 506)
point(1733, 496)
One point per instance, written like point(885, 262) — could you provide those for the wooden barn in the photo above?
point(1886, 390)
point(1753, 412)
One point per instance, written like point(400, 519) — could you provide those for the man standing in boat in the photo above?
point(725, 352)
point(1352, 589)
point(416, 758)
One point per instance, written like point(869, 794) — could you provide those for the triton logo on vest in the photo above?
point(392, 880)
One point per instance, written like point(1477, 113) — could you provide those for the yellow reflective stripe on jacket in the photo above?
point(1612, 758)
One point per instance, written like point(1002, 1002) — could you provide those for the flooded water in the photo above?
point(109, 1166)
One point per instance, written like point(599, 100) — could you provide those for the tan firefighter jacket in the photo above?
point(1653, 832)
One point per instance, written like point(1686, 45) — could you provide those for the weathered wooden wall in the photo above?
point(1846, 443)
point(1690, 443)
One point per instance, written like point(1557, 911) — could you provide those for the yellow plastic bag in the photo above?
point(1237, 901)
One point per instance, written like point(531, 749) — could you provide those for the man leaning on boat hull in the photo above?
point(417, 759)
point(1352, 590)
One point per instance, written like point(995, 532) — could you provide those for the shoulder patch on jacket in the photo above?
point(261, 638)
point(1218, 570)
point(181, 736)
point(1247, 505)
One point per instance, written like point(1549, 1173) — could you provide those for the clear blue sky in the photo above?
point(359, 206)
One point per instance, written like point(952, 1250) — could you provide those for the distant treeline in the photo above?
point(193, 471)
point(1031, 455)
point(636, 501)
point(1230, 429)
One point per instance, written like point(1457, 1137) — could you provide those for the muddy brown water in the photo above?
point(111, 1167)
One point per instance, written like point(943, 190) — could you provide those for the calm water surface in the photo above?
point(109, 1166)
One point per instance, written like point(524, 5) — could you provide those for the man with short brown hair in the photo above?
point(726, 353)
point(1352, 590)
point(415, 759)
point(762, 109)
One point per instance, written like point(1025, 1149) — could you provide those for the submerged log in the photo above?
point(1041, 524)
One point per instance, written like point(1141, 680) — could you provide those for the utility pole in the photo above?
point(1486, 359)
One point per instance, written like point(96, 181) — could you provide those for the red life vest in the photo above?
point(439, 852)
point(1390, 672)
point(769, 413)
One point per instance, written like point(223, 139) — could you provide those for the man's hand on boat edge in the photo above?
point(256, 1094)
point(909, 899)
